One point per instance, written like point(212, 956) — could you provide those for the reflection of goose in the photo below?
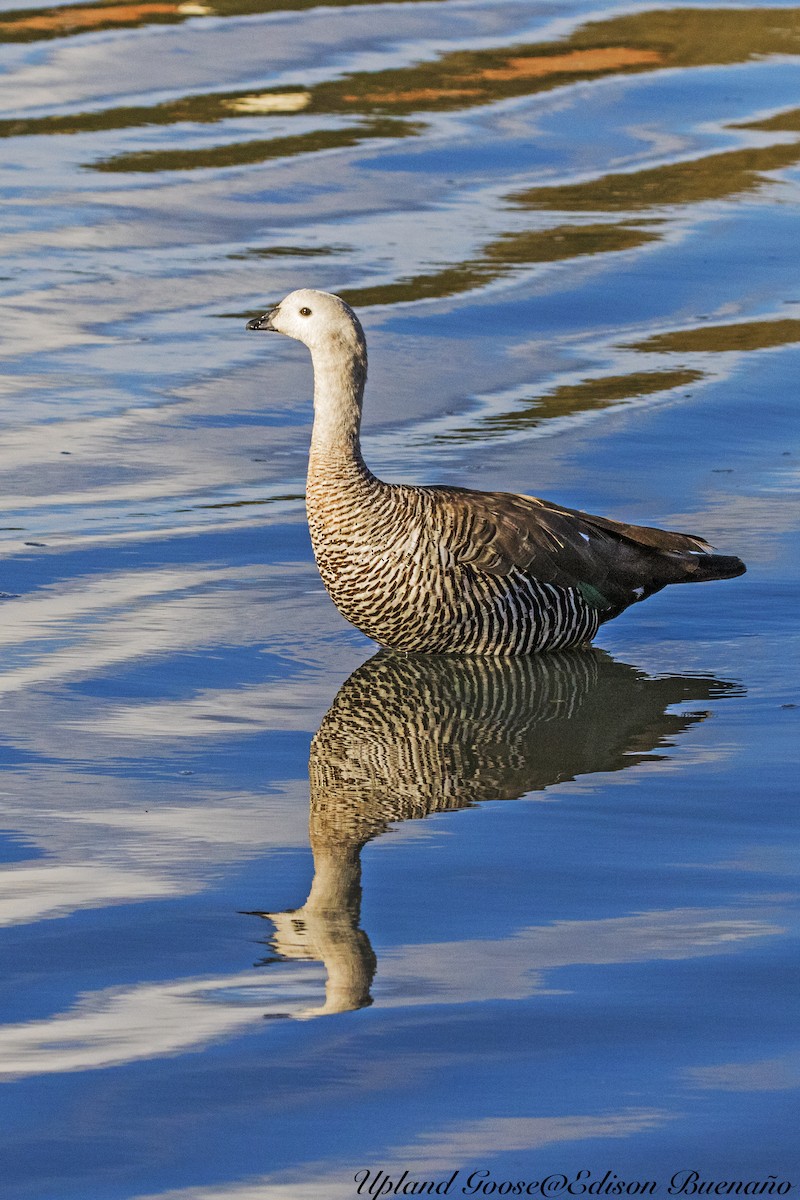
point(410, 736)
point(441, 569)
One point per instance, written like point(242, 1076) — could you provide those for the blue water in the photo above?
point(560, 930)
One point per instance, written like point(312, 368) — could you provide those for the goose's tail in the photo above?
point(714, 566)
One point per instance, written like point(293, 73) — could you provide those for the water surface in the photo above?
point(275, 910)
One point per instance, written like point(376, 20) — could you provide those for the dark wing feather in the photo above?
point(613, 564)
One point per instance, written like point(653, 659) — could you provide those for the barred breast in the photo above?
point(383, 553)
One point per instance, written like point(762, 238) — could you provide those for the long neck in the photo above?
point(340, 372)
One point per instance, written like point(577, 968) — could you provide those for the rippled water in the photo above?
point(572, 236)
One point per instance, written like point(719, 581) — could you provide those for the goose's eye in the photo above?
point(305, 312)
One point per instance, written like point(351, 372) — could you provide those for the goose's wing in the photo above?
point(611, 563)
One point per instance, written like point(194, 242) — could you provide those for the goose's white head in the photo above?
point(318, 319)
point(333, 334)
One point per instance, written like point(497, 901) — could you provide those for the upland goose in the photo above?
point(447, 569)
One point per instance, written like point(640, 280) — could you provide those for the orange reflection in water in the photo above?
point(70, 18)
point(531, 66)
point(577, 61)
point(414, 96)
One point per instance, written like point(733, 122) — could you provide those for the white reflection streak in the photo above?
point(37, 615)
point(32, 893)
point(122, 1025)
point(508, 969)
point(493, 1135)
point(289, 704)
point(116, 1026)
point(159, 625)
point(331, 1187)
point(767, 1075)
point(156, 465)
point(94, 855)
point(440, 1151)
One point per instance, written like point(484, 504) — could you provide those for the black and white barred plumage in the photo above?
point(411, 735)
point(445, 569)
point(384, 553)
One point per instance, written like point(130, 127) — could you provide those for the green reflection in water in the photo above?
point(788, 121)
point(279, 499)
point(746, 335)
point(713, 177)
point(408, 736)
point(572, 399)
point(502, 256)
point(290, 252)
point(237, 154)
point(599, 393)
